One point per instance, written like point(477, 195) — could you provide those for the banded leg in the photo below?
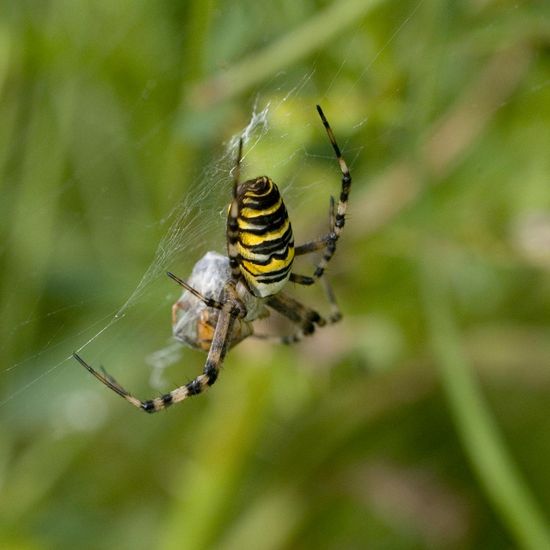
point(214, 361)
point(209, 302)
point(314, 246)
point(232, 231)
point(339, 218)
point(298, 313)
point(311, 246)
point(294, 315)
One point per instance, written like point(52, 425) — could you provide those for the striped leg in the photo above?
point(311, 246)
point(338, 219)
point(314, 246)
point(232, 217)
point(210, 302)
point(220, 343)
point(302, 315)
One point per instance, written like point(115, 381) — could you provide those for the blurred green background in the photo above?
point(421, 420)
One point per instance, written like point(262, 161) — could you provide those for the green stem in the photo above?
point(475, 424)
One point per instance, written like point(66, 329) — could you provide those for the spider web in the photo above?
point(195, 224)
point(196, 220)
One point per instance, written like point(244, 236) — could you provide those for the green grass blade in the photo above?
point(476, 426)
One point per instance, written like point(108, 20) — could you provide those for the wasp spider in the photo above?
point(225, 294)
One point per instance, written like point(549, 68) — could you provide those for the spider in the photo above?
point(225, 294)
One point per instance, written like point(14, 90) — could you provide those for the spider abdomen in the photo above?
point(265, 242)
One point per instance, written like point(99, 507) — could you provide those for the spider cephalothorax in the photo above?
point(226, 294)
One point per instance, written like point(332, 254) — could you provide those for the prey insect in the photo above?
point(226, 294)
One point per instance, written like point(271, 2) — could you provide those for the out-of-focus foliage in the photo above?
point(421, 420)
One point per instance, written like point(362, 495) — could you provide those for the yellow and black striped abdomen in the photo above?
point(265, 242)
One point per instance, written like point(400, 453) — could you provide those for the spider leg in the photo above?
point(109, 381)
point(310, 246)
point(214, 361)
point(296, 311)
point(302, 315)
point(335, 313)
point(313, 246)
point(210, 302)
point(338, 219)
point(301, 279)
point(232, 230)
